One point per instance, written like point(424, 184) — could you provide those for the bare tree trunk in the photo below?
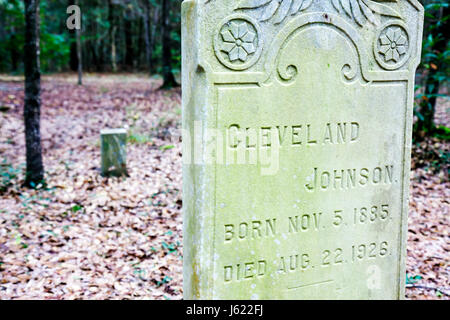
point(32, 108)
point(113, 49)
point(169, 79)
point(148, 56)
point(80, 61)
point(128, 32)
point(112, 34)
point(73, 62)
point(138, 43)
point(153, 35)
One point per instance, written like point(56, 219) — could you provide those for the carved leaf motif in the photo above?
point(359, 10)
point(346, 6)
point(365, 10)
point(296, 6)
point(368, 13)
point(381, 9)
point(306, 4)
point(357, 14)
point(250, 4)
point(283, 11)
point(279, 9)
point(270, 10)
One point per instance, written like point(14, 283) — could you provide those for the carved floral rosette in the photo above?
point(241, 41)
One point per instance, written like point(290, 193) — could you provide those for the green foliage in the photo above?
point(19, 241)
point(55, 52)
point(12, 35)
point(76, 208)
point(55, 38)
point(99, 18)
point(176, 49)
point(443, 133)
point(55, 47)
point(138, 138)
point(167, 147)
point(412, 279)
point(435, 18)
point(9, 175)
point(435, 65)
point(165, 280)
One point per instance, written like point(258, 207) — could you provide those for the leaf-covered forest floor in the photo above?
point(88, 237)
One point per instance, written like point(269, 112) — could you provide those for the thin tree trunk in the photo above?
point(79, 58)
point(128, 29)
point(113, 49)
point(153, 36)
point(32, 108)
point(90, 48)
point(98, 49)
point(79, 54)
point(138, 43)
point(147, 35)
point(169, 79)
point(112, 35)
point(73, 62)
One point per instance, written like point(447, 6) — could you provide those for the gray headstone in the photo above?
point(297, 118)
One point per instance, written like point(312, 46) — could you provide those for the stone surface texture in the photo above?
point(114, 152)
point(297, 121)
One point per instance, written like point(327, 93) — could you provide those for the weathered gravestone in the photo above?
point(297, 129)
point(114, 152)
